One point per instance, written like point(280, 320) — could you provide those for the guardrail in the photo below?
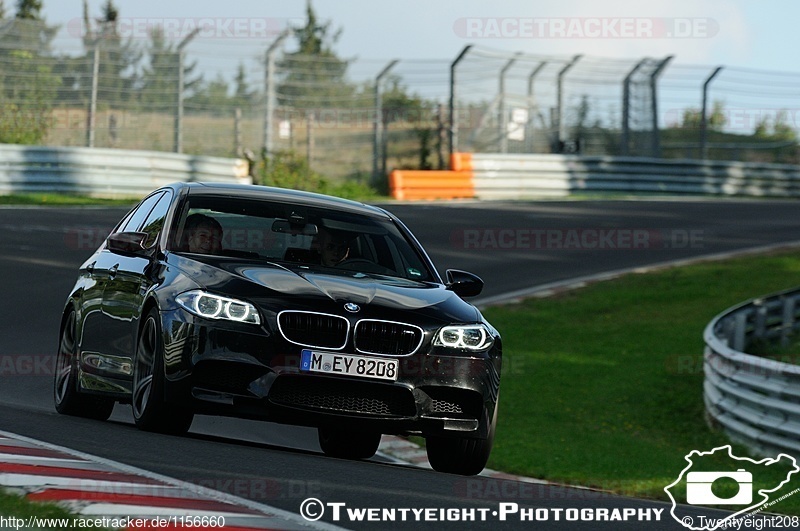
point(107, 172)
point(497, 176)
point(755, 400)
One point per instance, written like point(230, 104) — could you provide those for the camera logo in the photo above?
point(716, 478)
point(698, 488)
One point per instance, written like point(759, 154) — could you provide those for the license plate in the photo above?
point(361, 366)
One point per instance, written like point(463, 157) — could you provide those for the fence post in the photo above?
point(560, 100)
point(91, 117)
point(626, 109)
point(740, 332)
point(237, 132)
point(532, 105)
point(655, 147)
point(787, 323)
point(703, 112)
point(269, 93)
point(377, 144)
point(441, 136)
point(453, 117)
point(760, 326)
point(179, 110)
point(309, 138)
point(503, 122)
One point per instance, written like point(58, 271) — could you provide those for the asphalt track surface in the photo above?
point(511, 245)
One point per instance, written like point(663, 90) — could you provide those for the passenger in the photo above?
point(203, 234)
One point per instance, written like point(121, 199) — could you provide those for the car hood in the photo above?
point(308, 284)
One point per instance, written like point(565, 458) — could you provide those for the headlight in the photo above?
point(470, 337)
point(211, 306)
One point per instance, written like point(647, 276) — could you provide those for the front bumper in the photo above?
point(243, 371)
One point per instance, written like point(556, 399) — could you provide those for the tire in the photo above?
point(460, 455)
point(68, 400)
point(348, 444)
point(150, 411)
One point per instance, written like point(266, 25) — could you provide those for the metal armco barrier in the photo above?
point(497, 176)
point(107, 172)
point(755, 400)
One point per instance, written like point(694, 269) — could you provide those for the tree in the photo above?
point(313, 75)
point(28, 30)
point(782, 129)
point(117, 58)
point(159, 83)
point(28, 83)
point(777, 128)
point(582, 117)
point(2, 9)
point(26, 105)
point(414, 113)
point(243, 96)
point(212, 97)
point(29, 9)
point(692, 118)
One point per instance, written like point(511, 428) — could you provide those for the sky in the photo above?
point(759, 35)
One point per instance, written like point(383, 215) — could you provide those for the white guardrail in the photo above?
point(515, 176)
point(755, 400)
point(107, 172)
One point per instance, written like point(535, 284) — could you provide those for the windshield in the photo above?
point(298, 235)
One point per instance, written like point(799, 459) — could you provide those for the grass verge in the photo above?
point(62, 200)
point(50, 515)
point(352, 191)
point(603, 386)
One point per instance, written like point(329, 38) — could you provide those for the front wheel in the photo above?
point(151, 412)
point(68, 400)
point(348, 444)
point(460, 455)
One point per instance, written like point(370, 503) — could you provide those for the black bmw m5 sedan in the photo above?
point(286, 306)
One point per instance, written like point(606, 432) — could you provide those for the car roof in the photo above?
point(286, 195)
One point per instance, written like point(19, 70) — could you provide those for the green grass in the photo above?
point(603, 386)
point(62, 200)
point(346, 190)
point(17, 506)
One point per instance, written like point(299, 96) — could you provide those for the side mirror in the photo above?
point(128, 243)
point(463, 284)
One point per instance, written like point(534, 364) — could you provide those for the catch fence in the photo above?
point(224, 95)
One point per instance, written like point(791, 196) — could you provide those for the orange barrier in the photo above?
point(430, 184)
point(461, 162)
point(420, 184)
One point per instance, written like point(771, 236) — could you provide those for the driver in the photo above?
point(334, 247)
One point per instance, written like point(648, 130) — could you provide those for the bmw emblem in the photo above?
point(352, 307)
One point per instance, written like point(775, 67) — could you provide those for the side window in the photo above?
point(125, 220)
point(135, 221)
point(155, 221)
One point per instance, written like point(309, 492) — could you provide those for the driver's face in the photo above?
point(333, 251)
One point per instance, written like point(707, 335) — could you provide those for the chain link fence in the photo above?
point(359, 118)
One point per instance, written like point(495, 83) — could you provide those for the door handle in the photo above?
point(113, 271)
